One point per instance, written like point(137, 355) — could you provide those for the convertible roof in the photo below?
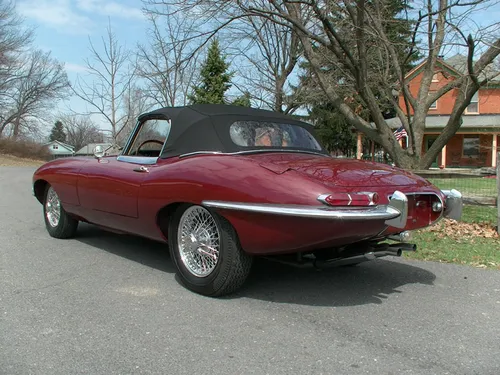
point(205, 127)
point(207, 110)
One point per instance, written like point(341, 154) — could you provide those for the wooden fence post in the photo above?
point(498, 192)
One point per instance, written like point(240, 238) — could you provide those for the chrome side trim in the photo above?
point(246, 152)
point(146, 160)
point(399, 202)
point(200, 153)
point(314, 212)
point(453, 204)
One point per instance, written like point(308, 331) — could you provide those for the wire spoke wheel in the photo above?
point(53, 208)
point(206, 251)
point(58, 222)
point(198, 238)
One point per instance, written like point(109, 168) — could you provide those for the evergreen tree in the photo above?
point(243, 100)
point(215, 78)
point(57, 133)
point(333, 130)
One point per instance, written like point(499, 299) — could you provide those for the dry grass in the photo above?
point(16, 161)
point(24, 149)
point(22, 153)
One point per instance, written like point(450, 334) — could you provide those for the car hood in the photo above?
point(340, 172)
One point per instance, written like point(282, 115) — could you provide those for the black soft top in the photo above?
point(205, 127)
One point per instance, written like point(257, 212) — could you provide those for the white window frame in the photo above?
point(473, 102)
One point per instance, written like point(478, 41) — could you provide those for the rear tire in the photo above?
point(206, 252)
point(58, 222)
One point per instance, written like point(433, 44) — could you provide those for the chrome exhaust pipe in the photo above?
point(378, 252)
point(404, 236)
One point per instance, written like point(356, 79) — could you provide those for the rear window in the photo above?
point(272, 134)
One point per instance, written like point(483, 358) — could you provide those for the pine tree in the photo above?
point(215, 78)
point(243, 100)
point(57, 133)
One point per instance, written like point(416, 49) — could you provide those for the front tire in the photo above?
point(206, 252)
point(58, 222)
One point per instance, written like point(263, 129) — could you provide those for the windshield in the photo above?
point(272, 134)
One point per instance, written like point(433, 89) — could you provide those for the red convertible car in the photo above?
point(224, 184)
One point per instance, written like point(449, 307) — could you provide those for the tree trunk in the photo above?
point(16, 130)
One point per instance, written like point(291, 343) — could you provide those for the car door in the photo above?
point(111, 184)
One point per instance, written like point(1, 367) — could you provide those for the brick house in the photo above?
point(476, 142)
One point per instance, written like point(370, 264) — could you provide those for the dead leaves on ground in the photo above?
point(457, 230)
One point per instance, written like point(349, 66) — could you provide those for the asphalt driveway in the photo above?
point(109, 304)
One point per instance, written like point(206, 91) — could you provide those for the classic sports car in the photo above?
point(224, 184)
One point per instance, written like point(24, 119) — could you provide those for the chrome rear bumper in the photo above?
point(394, 214)
point(453, 204)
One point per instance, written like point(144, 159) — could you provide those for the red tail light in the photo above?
point(349, 199)
point(423, 210)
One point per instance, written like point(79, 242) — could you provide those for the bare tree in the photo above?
point(354, 38)
point(40, 81)
point(14, 40)
point(272, 52)
point(265, 53)
point(80, 130)
point(168, 62)
point(110, 77)
point(137, 102)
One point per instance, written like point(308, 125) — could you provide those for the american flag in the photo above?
point(400, 133)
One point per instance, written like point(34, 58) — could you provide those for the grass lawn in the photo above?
point(472, 186)
point(468, 242)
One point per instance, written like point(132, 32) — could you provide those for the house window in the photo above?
point(435, 77)
point(471, 146)
point(435, 104)
point(55, 147)
point(473, 107)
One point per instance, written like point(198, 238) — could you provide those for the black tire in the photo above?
point(233, 264)
point(66, 226)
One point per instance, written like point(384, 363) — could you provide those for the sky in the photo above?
point(65, 26)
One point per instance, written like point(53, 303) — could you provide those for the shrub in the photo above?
point(24, 149)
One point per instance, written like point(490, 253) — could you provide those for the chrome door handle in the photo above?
point(142, 168)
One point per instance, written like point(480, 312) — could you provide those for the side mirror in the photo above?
point(98, 152)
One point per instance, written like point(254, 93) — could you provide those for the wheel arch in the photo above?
point(164, 215)
point(39, 189)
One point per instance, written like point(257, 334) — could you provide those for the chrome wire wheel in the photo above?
point(53, 208)
point(198, 239)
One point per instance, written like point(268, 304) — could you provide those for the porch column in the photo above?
point(494, 150)
point(443, 156)
point(359, 147)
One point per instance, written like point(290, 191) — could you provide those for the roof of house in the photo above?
point(439, 121)
point(60, 143)
point(457, 65)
